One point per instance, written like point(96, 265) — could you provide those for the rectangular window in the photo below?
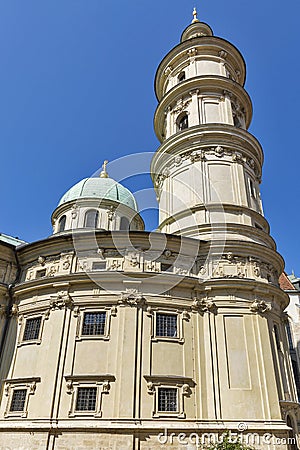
point(18, 400)
point(86, 399)
point(40, 273)
point(32, 329)
point(93, 323)
point(99, 265)
point(166, 325)
point(167, 399)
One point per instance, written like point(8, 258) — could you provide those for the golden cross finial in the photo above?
point(195, 16)
point(103, 173)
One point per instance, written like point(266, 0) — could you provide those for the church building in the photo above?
point(113, 337)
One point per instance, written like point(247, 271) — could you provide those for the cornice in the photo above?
point(203, 137)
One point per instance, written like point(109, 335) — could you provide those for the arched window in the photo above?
point(124, 225)
point(182, 122)
point(62, 224)
point(181, 77)
point(91, 219)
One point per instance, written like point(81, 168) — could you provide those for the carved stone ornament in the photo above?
point(168, 70)
point(223, 54)
point(52, 271)
point(113, 310)
point(70, 387)
point(219, 151)
point(260, 306)
point(76, 311)
point(74, 211)
point(150, 388)
point(181, 105)
point(106, 387)
point(167, 253)
point(203, 305)
point(197, 155)
point(3, 311)
point(132, 297)
point(149, 311)
point(185, 315)
point(41, 260)
point(186, 390)
point(61, 300)
point(111, 213)
point(14, 310)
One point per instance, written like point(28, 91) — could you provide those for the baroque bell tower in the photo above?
point(207, 158)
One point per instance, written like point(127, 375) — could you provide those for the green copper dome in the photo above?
point(100, 188)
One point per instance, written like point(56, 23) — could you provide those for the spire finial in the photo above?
point(195, 16)
point(103, 173)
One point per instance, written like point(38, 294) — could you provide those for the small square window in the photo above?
point(166, 267)
point(86, 399)
point(99, 265)
point(32, 329)
point(166, 325)
point(167, 399)
point(18, 400)
point(40, 273)
point(93, 323)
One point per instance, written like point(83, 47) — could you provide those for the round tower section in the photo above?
point(208, 168)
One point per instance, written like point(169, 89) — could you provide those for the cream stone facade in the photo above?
point(117, 338)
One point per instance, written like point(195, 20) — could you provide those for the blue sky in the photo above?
point(76, 87)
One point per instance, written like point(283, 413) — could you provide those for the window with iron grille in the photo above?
point(18, 400)
point(32, 329)
point(93, 323)
point(167, 399)
point(166, 325)
point(86, 399)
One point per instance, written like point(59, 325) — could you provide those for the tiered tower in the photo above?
point(116, 338)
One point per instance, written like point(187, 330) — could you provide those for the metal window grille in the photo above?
point(18, 400)
point(93, 323)
point(86, 399)
point(32, 329)
point(167, 399)
point(166, 325)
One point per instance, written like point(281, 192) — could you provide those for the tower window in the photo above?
point(166, 325)
point(32, 329)
point(91, 219)
point(124, 224)
point(167, 399)
point(86, 399)
point(182, 122)
point(181, 77)
point(62, 224)
point(93, 323)
point(252, 189)
point(18, 400)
